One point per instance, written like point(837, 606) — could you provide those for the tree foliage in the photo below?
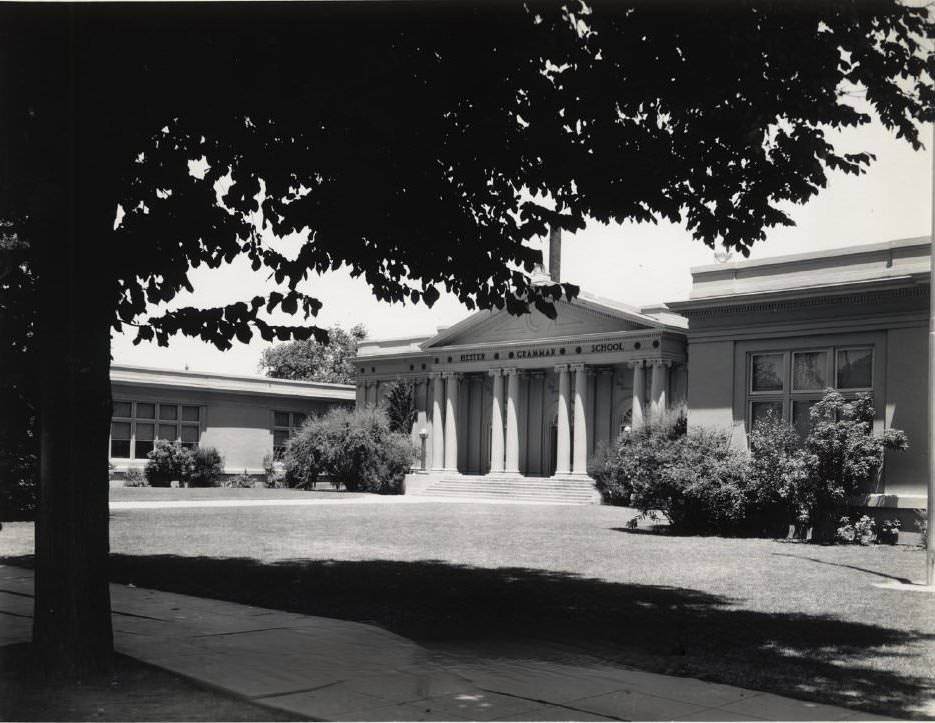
point(412, 160)
point(420, 145)
point(330, 361)
point(400, 403)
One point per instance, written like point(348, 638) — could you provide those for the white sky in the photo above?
point(636, 264)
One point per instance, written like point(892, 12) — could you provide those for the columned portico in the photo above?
point(580, 456)
point(563, 424)
point(660, 386)
point(438, 421)
point(637, 414)
point(496, 423)
point(512, 421)
point(502, 397)
point(452, 381)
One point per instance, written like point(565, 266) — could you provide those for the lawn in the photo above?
point(570, 583)
point(154, 494)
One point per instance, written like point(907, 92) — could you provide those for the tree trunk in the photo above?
point(72, 625)
point(73, 248)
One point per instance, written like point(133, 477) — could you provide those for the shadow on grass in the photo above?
point(535, 614)
point(904, 580)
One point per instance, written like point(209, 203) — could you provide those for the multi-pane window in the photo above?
point(284, 425)
point(787, 383)
point(137, 425)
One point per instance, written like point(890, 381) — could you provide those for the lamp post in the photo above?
point(423, 434)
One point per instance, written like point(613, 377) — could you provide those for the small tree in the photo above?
point(843, 457)
point(400, 402)
point(312, 360)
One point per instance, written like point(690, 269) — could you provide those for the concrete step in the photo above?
point(498, 488)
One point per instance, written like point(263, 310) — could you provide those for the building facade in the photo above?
point(533, 396)
point(775, 333)
point(245, 418)
point(530, 396)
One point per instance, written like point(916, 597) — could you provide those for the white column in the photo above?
point(563, 436)
point(360, 393)
point(512, 421)
point(452, 381)
point(438, 424)
point(496, 423)
point(580, 455)
point(638, 414)
point(660, 386)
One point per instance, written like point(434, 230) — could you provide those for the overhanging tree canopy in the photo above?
point(420, 144)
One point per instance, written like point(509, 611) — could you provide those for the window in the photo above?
point(284, 426)
point(787, 383)
point(137, 425)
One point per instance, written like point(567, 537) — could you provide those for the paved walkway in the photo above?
point(327, 669)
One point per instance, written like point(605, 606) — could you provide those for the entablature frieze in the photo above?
point(591, 350)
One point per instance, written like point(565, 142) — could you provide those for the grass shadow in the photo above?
point(534, 614)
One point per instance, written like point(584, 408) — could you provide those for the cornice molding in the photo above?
point(717, 309)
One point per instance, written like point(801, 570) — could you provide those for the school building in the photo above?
point(516, 406)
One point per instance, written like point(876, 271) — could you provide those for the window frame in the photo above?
point(789, 395)
point(278, 450)
point(156, 422)
point(854, 347)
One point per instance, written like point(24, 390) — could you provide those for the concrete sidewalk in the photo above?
point(328, 669)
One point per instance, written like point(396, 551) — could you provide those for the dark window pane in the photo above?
point(855, 368)
point(168, 431)
point(120, 448)
point(298, 419)
point(120, 430)
point(809, 371)
point(761, 411)
point(189, 434)
point(190, 414)
point(168, 412)
point(800, 418)
point(122, 409)
point(145, 431)
point(280, 437)
point(280, 419)
point(145, 410)
point(767, 372)
point(143, 448)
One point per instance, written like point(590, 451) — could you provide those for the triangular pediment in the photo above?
point(573, 319)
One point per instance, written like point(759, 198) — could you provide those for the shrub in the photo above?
point(889, 531)
point(168, 461)
point(695, 479)
point(778, 475)
point(353, 447)
point(135, 478)
point(861, 532)
point(302, 460)
point(207, 467)
point(242, 480)
point(843, 457)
